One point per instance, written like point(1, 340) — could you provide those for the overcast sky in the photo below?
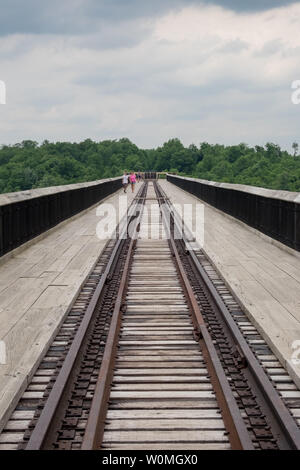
point(215, 71)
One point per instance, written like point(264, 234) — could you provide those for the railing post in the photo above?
point(1, 233)
point(297, 226)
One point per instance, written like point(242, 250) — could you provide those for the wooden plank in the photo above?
point(11, 437)
point(286, 386)
point(153, 283)
point(157, 342)
point(156, 303)
point(41, 379)
point(167, 446)
point(166, 424)
point(204, 395)
point(43, 372)
point(281, 378)
point(9, 447)
point(156, 319)
point(156, 308)
point(159, 352)
point(139, 289)
point(156, 329)
point(53, 296)
point(159, 403)
point(164, 436)
point(272, 364)
point(163, 414)
point(17, 425)
point(32, 395)
point(17, 299)
point(153, 347)
point(152, 358)
point(154, 324)
point(11, 270)
point(161, 379)
point(37, 387)
point(290, 394)
point(181, 334)
point(155, 297)
point(161, 364)
point(161, 386)
point(276, 371)
point(160, 371)
point(164, 317)
point(28, 414)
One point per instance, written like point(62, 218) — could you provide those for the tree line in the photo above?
point(28, 165)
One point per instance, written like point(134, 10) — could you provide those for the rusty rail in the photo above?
point(238, 435)
point(47, 419)
point(96, 421)
point(281, 420)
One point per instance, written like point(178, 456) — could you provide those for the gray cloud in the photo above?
point(233, 47)
point(113, 68)
point(84, 16)
point(251, 5)
point(270, 48)
point(112, 35)
point(75, 16)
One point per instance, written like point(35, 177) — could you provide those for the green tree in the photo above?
point(27, 164)
point(295, 148)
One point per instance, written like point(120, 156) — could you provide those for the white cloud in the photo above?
point(199, 33)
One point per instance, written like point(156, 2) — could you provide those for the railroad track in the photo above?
point(160, 392)
point(160, 356)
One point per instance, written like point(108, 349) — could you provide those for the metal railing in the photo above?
point(150, 175)
point(26, 218)
point(279, 218)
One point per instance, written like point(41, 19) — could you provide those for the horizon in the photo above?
point(198, 145)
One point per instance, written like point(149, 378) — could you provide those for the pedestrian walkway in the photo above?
point(37, 287)
point(265, 277)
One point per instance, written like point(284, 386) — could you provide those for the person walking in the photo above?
point(132, 179)
point(125, 181)
point(139, 176)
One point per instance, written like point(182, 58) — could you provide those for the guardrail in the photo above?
point(25, 215)
point(274, 213)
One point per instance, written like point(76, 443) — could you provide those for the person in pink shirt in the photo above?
point(132, 179)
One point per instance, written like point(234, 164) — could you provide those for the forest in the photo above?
point(28, 165)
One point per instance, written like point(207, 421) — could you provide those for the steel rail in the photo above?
point(290, 432)
point(39, 435)
point(237, 431)
point(96, 421)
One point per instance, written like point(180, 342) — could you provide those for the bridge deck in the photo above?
point(39, 283)
point(265, 277)
point(37, 286)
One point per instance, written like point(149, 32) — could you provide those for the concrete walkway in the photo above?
point(265, 277)
point(37, 287)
